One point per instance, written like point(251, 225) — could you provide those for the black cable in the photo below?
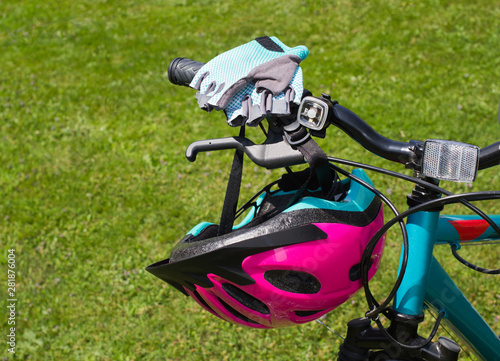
point(454, 248)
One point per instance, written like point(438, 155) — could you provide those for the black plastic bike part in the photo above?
point(454, 248)
point(404, 326)
point(270, 155)
point(489, 156)
point(182, 70)
point(421, 194)
point(365, 135)
point(274, 153)
point(361, 338)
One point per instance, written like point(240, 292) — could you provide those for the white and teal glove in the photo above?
point(255, 79)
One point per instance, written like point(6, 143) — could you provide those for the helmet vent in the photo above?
point(202, 301)
point(245, 299)
point(307, 313)
point(293, 281)
point(355, 271)
point(236, 313)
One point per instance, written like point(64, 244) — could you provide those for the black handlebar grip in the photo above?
point(182, 70)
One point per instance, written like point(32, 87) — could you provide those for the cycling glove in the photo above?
point(251, 71)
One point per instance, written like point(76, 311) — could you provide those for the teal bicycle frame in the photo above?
point(426, 282)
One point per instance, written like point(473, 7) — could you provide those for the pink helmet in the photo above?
point(284, 265)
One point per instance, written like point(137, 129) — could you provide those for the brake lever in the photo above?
point(274, 153)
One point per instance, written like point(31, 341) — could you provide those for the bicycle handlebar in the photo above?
point(489, 156)
point(364, 134)
point(182, 70)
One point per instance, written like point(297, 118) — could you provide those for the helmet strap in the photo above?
point(232, 191)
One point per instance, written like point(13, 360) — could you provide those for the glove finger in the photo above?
point(237, 121)
point(256, 112)
point(196, 82)
point(246, 104)
point(219, 89)
point(234, 106)
point(203, 102)
point(204, 97)
point(266, 102)
point(290, 94)
point(255, 117)
point(281, 103)
point(237, 117)
point(211, 88)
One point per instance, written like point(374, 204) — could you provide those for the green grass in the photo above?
point(94, 184)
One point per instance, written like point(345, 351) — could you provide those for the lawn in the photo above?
point(94, 184)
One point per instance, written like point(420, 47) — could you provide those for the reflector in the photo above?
point(449, 160)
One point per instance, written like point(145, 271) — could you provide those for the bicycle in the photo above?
point(421, 281)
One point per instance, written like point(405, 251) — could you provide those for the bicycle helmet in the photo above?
point(283, 265)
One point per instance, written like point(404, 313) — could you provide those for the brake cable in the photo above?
point(454, 248)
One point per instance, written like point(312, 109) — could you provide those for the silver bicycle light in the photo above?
point(450, 161)
point(313, 112)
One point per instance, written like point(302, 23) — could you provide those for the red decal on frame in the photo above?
point(469, 229)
